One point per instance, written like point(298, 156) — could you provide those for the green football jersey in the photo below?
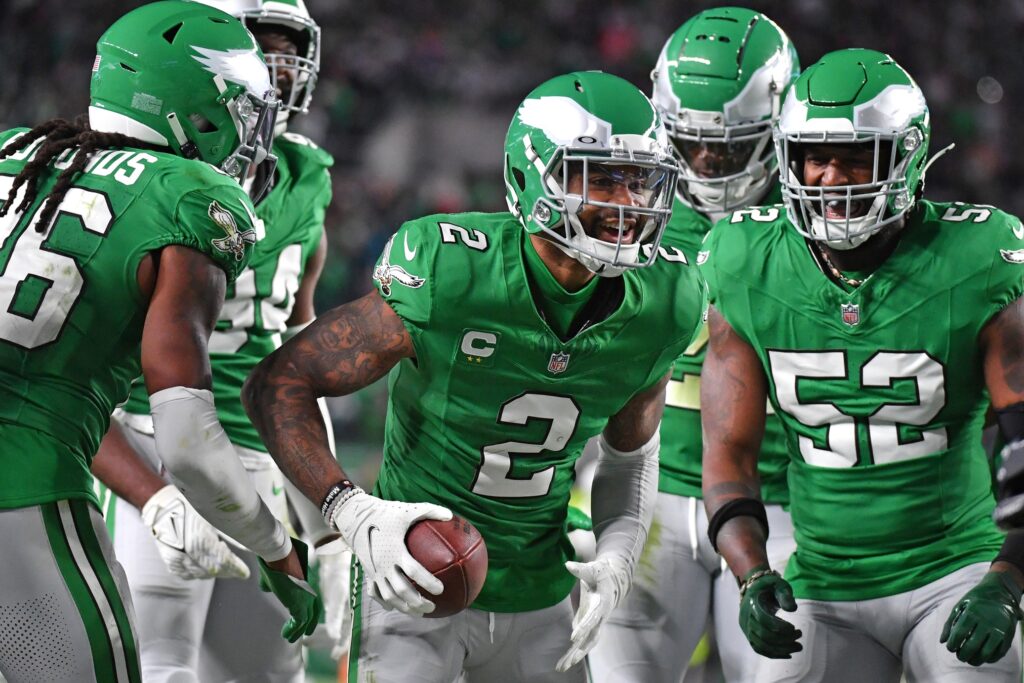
point(681, 444)
point(492, 414)
point(880, 390)
point(71, 314)
point(260, 301)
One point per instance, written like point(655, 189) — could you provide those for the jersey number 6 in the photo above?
point(39, 286)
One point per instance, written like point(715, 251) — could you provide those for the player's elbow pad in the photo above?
point(624, 492)
point(202, 462)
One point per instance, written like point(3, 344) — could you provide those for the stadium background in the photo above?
point(415, 96)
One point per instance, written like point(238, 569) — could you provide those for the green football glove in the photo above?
point(297, 596)
point(762, 594)
point(982, 625)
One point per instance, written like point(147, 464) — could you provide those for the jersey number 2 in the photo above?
point(55, 278)
point(494, 477)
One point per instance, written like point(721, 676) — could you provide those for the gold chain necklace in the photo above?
point(838, 274)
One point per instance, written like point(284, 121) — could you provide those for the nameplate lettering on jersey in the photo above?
point(125, 165)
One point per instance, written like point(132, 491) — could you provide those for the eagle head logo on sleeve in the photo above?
point(386, 273)
point(235, 241)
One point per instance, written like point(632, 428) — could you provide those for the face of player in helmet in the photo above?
point(608, 191)
point(274, 42)
point(839, 166)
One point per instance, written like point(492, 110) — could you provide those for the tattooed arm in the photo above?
point(732, 399)
point(1002, 343)
point(344, 350)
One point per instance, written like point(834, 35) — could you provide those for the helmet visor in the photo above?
point(706, 159)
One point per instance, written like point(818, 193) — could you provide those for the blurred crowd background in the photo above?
point(415, 96)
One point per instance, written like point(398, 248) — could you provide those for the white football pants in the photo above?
point(678, 584)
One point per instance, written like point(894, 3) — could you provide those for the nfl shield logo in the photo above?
point(558, 363)
point(851, 314)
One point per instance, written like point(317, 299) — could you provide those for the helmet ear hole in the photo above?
point(202, 124)
point(172, 33)
point(519, 177)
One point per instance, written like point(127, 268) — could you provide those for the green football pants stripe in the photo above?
point(108, 504)
point(110, 663)
point(124, 634)
point(356, 595)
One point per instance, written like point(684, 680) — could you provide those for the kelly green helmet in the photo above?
point(718, 85)
point(187, 76)
point(859, 97)
point(294, 76)
point(590, 123)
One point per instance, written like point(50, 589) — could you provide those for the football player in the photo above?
point(119, 240)
point(718, 85)
point(881, 325)
point(511, 338)
point(181, 636)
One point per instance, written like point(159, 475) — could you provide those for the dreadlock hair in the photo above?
point(59, 136)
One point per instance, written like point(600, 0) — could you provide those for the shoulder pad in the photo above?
point(302, 149)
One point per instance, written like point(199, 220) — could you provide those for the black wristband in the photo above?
point(1012, 551)
point(334, 493)
point(1011, 421)
point(737, 507)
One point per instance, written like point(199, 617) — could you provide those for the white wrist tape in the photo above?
point(202, 463)
point(314, 528)
point(624, 492)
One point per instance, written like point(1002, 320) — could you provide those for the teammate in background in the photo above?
point(718, 86)
point(229, 630)
point(118, 241)
point(512, 339)
point(880, 325)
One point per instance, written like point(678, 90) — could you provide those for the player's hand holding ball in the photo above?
point(983, 624)
point(375, 529)
point(762, 594)
point(603, 584)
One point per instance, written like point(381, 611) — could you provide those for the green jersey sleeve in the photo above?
point(402, 276)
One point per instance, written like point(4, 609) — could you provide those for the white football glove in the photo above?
point(189, 546)
point(603, 584)
point(375, 529)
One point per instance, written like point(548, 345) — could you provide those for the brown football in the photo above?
point(453, 551)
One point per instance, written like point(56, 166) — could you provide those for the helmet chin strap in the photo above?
point(935, 157)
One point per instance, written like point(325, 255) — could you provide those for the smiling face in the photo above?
point(840, 166)
point(275, 42)
point(619, 185)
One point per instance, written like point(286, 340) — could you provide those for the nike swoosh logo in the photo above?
point(1018, 231)
point(276, 490)
point(410, 254)
point(369, 545)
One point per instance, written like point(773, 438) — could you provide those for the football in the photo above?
point(453, 551)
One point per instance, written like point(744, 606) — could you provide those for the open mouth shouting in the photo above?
point(838, 208)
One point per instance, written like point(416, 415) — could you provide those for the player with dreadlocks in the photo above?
point(117, 240)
